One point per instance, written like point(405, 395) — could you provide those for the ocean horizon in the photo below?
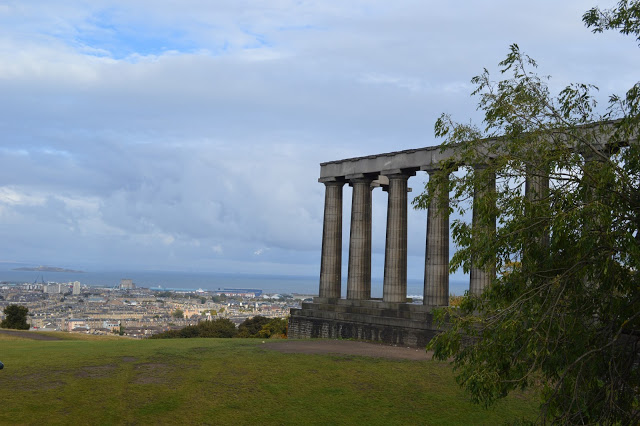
point(177, 280)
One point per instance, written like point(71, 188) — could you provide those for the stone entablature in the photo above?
point(410, 159)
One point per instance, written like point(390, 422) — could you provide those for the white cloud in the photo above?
point(13, 197)
point(411, 84)
point(155, 133)
point(260, 251)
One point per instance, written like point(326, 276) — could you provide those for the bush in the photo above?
point(219, 328)
point(251, 327)
point(275, 328)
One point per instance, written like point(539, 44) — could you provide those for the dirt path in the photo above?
point(28, 335)
point(310, 346)
point(347, 347)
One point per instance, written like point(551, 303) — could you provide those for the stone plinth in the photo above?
point(387, 322)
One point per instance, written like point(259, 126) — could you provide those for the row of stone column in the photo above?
point(436, 274)
point(395, 267)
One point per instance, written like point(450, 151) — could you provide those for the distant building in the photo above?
point(76, 288)
point(111, 325)
point(239, 292)
point(54, 288)
point(49, 326)
point(127, 284)
point(77, 324)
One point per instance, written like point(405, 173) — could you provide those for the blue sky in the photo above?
point(188, 135)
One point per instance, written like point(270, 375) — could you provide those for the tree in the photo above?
point(276, 328)
point(15, 317)
point(178, 313)
point(218, 298)
point(251, 326)
point(563, 309)
point(624, 18)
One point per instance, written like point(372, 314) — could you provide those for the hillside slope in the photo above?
point(226, 381)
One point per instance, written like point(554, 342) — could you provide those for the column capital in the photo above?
point(437, 167)
point(480, 166)
point(333, 180)
point(399, 173)
point(595, 153)
point(361, 177)
point(488, 161)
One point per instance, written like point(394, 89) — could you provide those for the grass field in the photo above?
point(226, 381)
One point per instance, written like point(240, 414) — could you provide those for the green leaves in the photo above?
point(563, 312)
point(15, 317)
point(625, 17)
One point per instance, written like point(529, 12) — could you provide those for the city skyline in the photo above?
point(189, 137)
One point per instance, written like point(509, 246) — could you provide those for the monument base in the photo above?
point(403, 324)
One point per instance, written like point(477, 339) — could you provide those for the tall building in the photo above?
point(53, 288)
point(76, 288)
point(127, 284)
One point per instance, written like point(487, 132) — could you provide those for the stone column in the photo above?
point(395, 254)
point(359, 275)
point(536, 190)
point(331, 261)
point(536, 186)
point(436, 265)
point(480, 278)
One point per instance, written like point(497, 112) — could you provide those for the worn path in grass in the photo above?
point(348, 347)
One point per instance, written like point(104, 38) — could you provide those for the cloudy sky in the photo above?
point(187, 135)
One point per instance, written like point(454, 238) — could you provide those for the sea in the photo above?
point(208, 281)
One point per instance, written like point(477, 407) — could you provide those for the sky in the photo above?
point(187, 135)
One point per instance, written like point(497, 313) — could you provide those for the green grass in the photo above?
point(226, 381)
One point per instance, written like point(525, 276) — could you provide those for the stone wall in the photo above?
point(392, 323)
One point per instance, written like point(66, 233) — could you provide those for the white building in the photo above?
point(111, 325)
point(53, 288)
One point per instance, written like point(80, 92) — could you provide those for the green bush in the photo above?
point(251, 327)
point(276, 327)
point(220, 328)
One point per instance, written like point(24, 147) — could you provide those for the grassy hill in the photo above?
point(82, 380)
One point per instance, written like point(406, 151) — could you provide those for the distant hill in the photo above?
point(46, 269)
